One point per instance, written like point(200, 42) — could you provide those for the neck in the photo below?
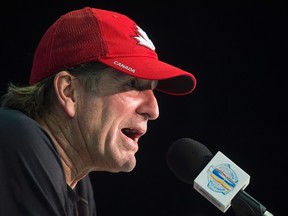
point(70, 154)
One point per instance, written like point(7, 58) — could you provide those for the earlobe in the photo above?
point(65, 92)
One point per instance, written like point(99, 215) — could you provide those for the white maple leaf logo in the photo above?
point(143, 39)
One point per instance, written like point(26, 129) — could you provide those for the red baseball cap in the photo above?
point(90, 34)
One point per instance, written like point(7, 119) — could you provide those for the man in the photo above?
point(88, 102)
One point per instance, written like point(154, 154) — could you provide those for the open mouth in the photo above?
point(131, 133)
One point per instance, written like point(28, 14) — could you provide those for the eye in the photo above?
point(133, 83)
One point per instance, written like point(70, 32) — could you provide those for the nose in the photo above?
point(149, 106)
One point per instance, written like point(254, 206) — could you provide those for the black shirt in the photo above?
point(32, 180)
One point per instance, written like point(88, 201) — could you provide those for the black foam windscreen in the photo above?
point(186, 158)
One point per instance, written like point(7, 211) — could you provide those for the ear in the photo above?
point(65, 92)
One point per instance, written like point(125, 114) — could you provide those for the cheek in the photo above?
point(117, 105)
point(127, 102)
point(89, 113)
point(101, 116)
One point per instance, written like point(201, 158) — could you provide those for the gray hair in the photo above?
point(36, 100)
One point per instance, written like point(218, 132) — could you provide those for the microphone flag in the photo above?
point(220, 181)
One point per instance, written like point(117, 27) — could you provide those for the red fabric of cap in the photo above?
point(91, 34)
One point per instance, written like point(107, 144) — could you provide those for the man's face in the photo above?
point(112, 120)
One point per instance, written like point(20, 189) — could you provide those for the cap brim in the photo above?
point(172, 80)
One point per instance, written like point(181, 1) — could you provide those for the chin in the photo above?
point(129, 165)
point(126, 163)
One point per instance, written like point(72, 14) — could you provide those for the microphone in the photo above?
point(217, 178)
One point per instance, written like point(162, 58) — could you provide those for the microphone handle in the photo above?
point(244, 204)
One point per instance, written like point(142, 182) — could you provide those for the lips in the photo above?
point(133, 133)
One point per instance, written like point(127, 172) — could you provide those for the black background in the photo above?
point(238, 52)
